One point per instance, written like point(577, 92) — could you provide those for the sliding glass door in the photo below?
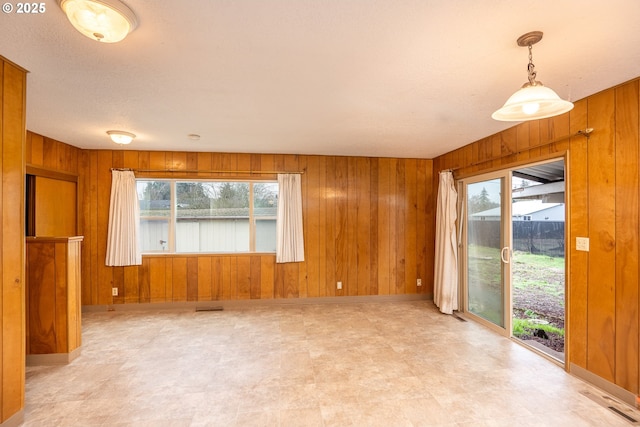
point(487, 241)
point(516, 214)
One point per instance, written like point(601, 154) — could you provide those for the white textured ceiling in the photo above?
point(384, 78)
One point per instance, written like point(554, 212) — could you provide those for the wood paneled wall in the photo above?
point(13, 81)
point(367, 223)
point(603, 191)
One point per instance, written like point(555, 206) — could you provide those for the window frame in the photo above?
point(172, 219)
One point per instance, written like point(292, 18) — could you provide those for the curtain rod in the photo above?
point(204, 171)
point(583, 132)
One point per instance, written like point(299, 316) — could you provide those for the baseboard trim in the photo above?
point(14, 420)
point(53, 358)
point(606, 386)
point(242, 304)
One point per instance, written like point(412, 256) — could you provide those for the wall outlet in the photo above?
point(339, 285)
point(419, 282)
point(114, 292)
point(582, 244)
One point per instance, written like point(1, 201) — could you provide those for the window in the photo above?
point(178, 216)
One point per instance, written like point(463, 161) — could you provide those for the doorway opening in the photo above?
point(538, 260)
point(513, 257)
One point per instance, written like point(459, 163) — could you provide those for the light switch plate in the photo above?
point(582, 244)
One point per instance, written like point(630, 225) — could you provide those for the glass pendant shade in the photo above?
point(107, 21)
point(532, 102)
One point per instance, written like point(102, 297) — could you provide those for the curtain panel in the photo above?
point(289, 231)
point(445, 280)
point(123, 238)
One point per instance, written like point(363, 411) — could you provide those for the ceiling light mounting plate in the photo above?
point(529, 39)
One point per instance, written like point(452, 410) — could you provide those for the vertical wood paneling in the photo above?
point(578, 197)
point(522, 141)
point(62, 338)
point(157, 274)
point(105, 274)
point(233, 277)
point(179, 279)
point(311, 220)
point(90, 284)
point(394, 201)
point(144, 281)
point(255, 277)
point(267, 277)
point(358, 213)
point(227, 293)
point(118, 282)
point(430, 229)
point(243, 269)
point(422, 187)
point(351, 284)
point(168, 280)
point(602, 231)
point(178, 161)
point(192, 279)
point(204, 278)
point(626, 237)
point(363, 226)
point(508, 144)
point(299, 163)
point(36, 150)
point(373, 228)
point(331, 196)
point(401, 191)
point(204, 162)
point(216, 278)
point(385, 204)
point(131, 290)
point(12, 297)
point(341, 235)
point(50, 153)
point(411, 223)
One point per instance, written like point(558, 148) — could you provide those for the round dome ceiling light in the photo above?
point(121, 137)
point(107, 21)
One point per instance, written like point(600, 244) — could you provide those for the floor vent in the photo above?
point(216, 308)
point(626, 412)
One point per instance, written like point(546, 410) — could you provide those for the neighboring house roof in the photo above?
point(211, 213)
point(527, 207)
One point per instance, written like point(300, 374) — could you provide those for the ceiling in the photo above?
point(383, 78)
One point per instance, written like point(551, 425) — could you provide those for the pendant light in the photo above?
point(107, 21)
point(534, 100)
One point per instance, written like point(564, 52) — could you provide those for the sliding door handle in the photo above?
point(507, 259)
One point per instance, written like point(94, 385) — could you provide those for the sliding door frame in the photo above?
point(505, 242)
point(462, 239)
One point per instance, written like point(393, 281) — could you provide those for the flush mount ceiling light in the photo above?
point(534, 100)
point(121, 137)
point(107, 21)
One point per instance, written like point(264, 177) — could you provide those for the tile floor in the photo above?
point(370, 364)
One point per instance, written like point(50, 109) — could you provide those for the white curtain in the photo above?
point(445, 280)
point(290, 239)
point(123, 238)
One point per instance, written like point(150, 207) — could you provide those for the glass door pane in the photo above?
point(485, 273)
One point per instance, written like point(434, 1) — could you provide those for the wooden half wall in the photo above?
point(603, 191)
point(368, 222)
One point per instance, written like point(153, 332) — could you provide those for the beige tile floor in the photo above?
point(369, 364)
